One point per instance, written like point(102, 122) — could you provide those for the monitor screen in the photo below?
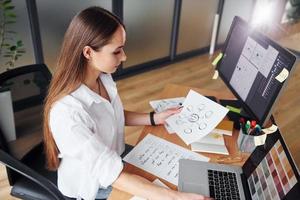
point(250, 67)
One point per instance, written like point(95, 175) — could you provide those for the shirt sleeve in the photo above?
point(74, 137)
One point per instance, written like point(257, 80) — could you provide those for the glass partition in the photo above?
point(196, 23)
point(148, 26)
point(233, 8)
point(54, 18)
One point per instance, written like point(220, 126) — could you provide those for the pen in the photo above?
point(257, 129)
point(247, 126)
point(242, 120)
point(253, 123)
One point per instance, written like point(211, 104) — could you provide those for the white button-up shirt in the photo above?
point(89, 133)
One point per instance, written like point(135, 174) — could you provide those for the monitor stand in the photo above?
point(235, 117)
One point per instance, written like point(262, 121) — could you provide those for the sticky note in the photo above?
point(282, 75)
point(271, 129)
point(217, 59)
point(234, 109)
point(260, 140)
point(216, 75)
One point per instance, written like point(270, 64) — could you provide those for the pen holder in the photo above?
point(248, 142)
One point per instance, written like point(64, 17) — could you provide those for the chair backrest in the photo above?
point(17, 166)
point(28, 88)
point(28, 85)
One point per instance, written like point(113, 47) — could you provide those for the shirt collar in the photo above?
point(87, 96)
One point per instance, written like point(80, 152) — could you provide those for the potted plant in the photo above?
point(11, 48)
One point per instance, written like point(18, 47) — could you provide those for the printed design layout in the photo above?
point(254, 58)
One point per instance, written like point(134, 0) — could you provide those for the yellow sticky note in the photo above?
point(216, 75)
point(217, 59)
point(260, 140)
point(271, 129)
point(282, 75)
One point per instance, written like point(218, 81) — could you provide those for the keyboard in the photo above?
point(223, 185)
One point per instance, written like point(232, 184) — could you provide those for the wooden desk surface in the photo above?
point(235, 157)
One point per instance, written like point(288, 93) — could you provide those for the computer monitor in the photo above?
point(250, 67)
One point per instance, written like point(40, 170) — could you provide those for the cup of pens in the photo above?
point(248, 131)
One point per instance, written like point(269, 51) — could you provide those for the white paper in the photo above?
point(270, 129)
point(168, 128)
point(155, 182)
point(198, 117)
point(160, 157)
point(211, 143)
point(223, 132)
point(260, 140)
point(164, 104)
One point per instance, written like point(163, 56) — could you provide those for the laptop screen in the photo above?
point(270, 171)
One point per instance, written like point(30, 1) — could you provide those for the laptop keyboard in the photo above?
point(223, 185)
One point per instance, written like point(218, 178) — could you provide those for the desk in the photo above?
point(169, 92)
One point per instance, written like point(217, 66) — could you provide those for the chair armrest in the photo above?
point(19, 167)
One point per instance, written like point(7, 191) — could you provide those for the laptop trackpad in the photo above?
point(195, 188)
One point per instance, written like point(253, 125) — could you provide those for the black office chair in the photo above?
point(31, 185)
point(23, 156)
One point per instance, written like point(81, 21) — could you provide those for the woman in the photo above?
point(84, 118)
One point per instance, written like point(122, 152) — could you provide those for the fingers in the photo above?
point(175, 110)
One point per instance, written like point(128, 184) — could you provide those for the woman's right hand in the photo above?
point(189, 196)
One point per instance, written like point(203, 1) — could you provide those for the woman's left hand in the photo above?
point(159, 118)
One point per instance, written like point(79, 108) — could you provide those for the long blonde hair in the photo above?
point(92, 27)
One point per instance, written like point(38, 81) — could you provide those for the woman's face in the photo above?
point(110, 56)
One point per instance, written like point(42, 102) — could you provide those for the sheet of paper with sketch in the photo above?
point(164, 104)
point(198, 117)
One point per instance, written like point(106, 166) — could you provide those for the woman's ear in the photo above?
point(87, 51)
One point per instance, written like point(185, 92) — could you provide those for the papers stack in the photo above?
point(214, 141)
point(211, 143)
point(225, 127)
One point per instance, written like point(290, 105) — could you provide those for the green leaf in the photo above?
point(19, 55)
point(9, 7)
point(21, 51)
point(13, 48)
point(10, 14)
point(6, 2)
point(7, 56)
point(19, 43)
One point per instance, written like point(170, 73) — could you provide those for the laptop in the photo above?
point(269, 173)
